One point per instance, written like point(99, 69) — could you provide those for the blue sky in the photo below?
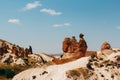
point(44, 24)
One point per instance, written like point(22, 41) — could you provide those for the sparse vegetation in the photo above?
point(8, 71)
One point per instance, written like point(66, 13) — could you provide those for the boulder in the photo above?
point(106, 46)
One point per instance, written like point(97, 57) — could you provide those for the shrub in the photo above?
point(9, 73)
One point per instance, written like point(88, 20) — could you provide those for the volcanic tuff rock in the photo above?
point(33, 59)
point(105, 46)
point(85, 68)
point(72, 48)
point(14, 54)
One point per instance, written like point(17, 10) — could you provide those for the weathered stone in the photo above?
point(72, 48)
point(90, 53)
point(66, 44)
point(105, 46)
point(81, 74)
point(82, 44)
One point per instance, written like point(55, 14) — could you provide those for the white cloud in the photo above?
point(57, 25)
point(30, 6)
point(61, 25)
point(67, 24)
point(51, 12)
point(14, 21)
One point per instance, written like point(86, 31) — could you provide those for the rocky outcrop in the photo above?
point(32, 59)
point(66, 44)
point(10, 59)
point(81, 74)
point(14, 54)
point(105, 46)
point(106, 50)
point(46, 57)
point(7, 47)
point(71, 47)
point(82, 45)
point(91, 53)
point(85, 68)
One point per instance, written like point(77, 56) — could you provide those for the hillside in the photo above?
point(86, 68)
point(76, 63)
point(14, 59)
point(14, 54)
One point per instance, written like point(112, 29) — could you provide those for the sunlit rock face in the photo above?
point(33, 59)
point(85, 68)
point(81, 74)
point(105, 46)
point(72, 48)
point(14, 54)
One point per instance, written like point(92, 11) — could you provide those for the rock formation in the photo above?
point(90, 53)
point(81, 74)
point(86, 68)
point(82, 45)
point(6, 47)
point(106, 49)
point(13, 54)
point(106, 46)
point(72, 48)
point(66, 44)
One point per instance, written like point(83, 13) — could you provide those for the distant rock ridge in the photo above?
point(14, 54)
point(7, 47)
point(31, 60)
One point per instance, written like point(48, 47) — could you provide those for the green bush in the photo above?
point(9, 73)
